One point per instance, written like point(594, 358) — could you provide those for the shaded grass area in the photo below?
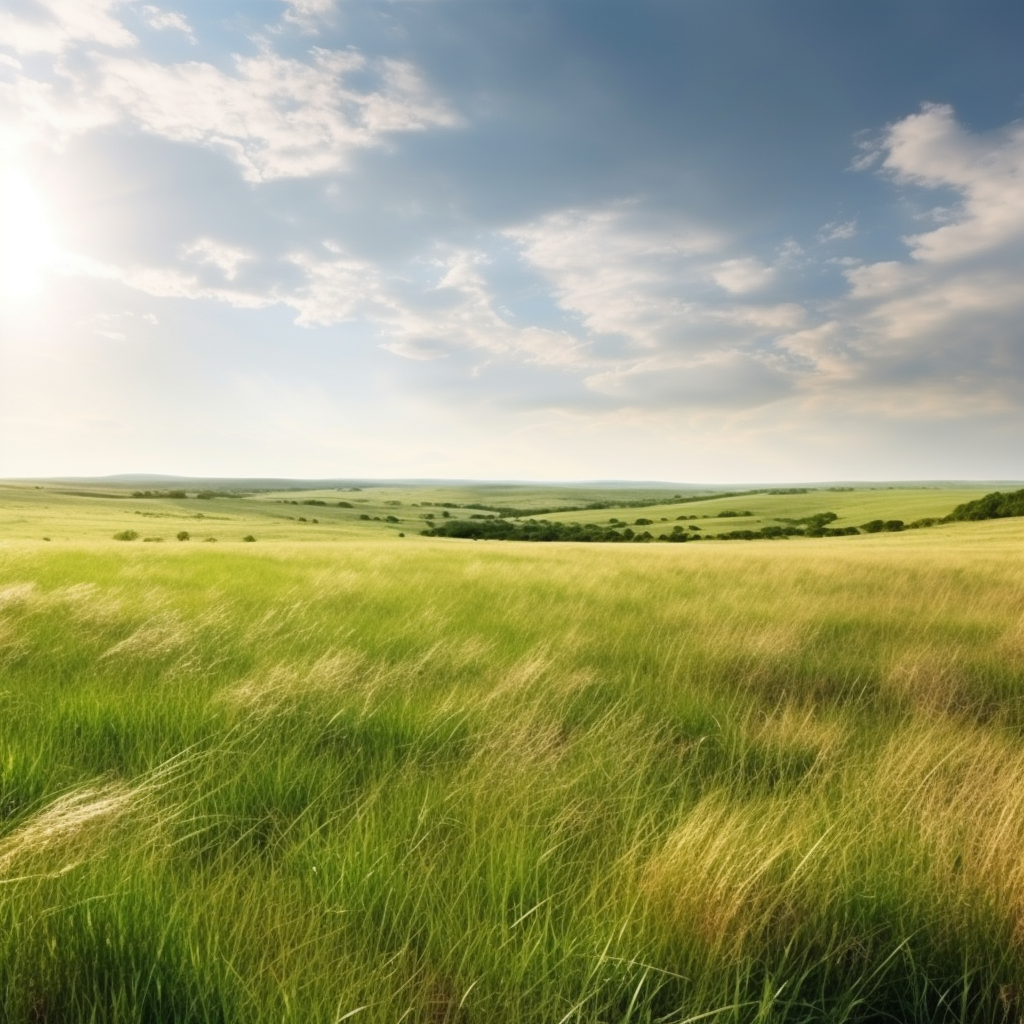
point(463, 784)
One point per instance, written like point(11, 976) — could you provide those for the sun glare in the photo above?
point(26, 242)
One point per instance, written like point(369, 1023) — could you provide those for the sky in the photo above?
point(682, 240)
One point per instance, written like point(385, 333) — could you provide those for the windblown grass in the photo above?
point(464, 783)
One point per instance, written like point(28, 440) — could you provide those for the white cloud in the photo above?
point(931, 149)
point(64, 23)
point(457, 313)
point(649, 283)
point(957, 302)
point(225, 258)
point(744, 275)
point(837, 231)
point(276, 117)
point(161, 282)
point(307, 14)
point(940, 328)
point(461, 314)
point(162, 20)
point(823, 350)
point(335, 290)
point(617, 273)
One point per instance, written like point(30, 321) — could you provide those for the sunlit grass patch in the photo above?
point(451, 782)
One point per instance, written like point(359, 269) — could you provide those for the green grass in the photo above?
point(453, 782)
point(79, 514)
point(852, 507)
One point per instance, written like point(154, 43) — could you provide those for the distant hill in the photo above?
point(164, 480)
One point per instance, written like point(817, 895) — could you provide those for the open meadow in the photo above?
point(341, 774)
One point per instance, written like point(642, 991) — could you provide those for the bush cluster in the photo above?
point(616, 531)
point(997, 505)
point(886, 526)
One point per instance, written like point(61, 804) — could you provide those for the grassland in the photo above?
point(333, 776)
point(79, 514)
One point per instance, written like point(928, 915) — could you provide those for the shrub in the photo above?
point(391, 519)
point(249, 539)
point(997, 505)
point(127, 535)
point(365, 516)
point(878, 526)
point(184, 535)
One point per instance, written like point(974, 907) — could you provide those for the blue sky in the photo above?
point(687, 240)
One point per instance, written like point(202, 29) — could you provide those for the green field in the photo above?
point(342, 775)
point(66, 513)
point(853, 508)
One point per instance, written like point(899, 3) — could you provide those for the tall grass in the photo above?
point(469, 783)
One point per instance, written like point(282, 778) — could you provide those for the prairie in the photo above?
point(330, 776)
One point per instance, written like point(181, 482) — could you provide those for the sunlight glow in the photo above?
point(26, 242)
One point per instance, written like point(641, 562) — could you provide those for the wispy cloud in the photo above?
point(161, 20)
point(837, 231)
point(60, 24)
point(225, 258)
point(275, 117)
point(307, 14)
point(743, 275)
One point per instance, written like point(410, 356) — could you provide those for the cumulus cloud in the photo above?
point(969, 264)
point(938, 332)
point(934, 334)
point(931, 149)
